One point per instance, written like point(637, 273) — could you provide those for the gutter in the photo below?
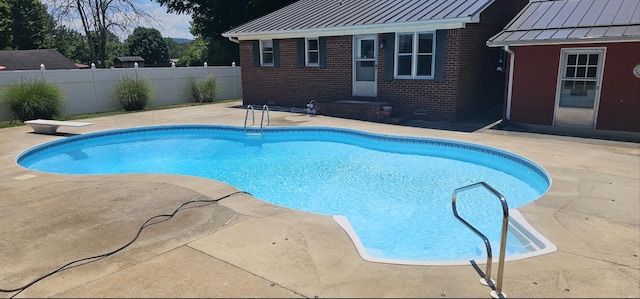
point(512, 58)
point(233, 39)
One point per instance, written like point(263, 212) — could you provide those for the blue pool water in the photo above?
point(395, 192)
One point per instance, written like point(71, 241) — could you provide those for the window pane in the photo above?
point(312, 44)
point(404, 65)
point(366, 48)
point(571, 72)
point(267, 58)
point(424, 65)
point(581, 72)
point(582, 59)
point(572, 59)
point(405, 43)
point(425, 43)
point(593, 59)
point(591, 72)
point(365, 71)
point(313, 58)
point(267, 45)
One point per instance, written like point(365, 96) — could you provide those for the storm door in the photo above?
point(365, 66)
point(578, 92)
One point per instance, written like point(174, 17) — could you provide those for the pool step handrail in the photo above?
point(246, 116)
point(486, 280)
point(265, 108)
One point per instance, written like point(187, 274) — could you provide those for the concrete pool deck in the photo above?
point(243, 247)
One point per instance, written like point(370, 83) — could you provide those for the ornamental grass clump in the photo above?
point(204, 89)
point(33, 99)
point(133, 93)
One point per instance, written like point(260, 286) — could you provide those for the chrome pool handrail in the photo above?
point(497, 293)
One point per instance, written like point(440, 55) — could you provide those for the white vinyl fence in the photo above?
point(90, 90)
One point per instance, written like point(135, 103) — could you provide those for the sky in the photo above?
point(170, 25)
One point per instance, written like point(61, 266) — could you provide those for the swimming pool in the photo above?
point(391, 194)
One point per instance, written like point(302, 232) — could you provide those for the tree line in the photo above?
point(30, 24)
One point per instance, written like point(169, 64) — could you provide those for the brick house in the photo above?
point(426, 59)
point(574, 63)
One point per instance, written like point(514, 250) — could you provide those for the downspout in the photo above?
point(512, 58)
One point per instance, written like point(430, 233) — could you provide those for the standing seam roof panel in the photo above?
point(574, 19)
point(525, 13)
point(343, 15)
point(464, 9)
point(609, 13)
point(302, 18)
point(426, 6)
point(368, 14)
point(540, 11)
point(615, 31)
point(593, 13)
point(551, 14)
point(403, 14)
point(561, 18)
point(562, 33)
point(632, 31)
point(379, 16)
point(447, 10)
point(440, 10)
point(625, 14)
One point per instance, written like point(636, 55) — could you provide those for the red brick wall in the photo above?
point(470, 83)
point(536, 79)
point(288, 85)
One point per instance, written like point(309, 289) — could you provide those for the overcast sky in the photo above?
point(171, 25)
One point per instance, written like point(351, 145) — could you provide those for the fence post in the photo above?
point(235, 80)
point(95, 86)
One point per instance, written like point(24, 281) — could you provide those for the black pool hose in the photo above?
point(18, 290)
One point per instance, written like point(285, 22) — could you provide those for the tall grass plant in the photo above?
point(204, 89)
point(133, 93)
point(33, 99)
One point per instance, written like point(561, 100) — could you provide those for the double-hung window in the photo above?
point(312, 50)
point(266, 52)
point(415, 55)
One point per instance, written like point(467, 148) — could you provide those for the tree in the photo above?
point(5, 24)
point(71, 44)
point(213, 17)
point(148, 44)
point(24, 24)
point(176, 49)
point(195, 53)
point(98, 19)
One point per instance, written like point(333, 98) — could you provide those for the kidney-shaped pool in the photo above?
point(391, 194)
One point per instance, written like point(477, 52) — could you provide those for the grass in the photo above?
point(17, 123)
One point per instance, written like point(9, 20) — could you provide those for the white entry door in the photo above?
point(365, 65)
point(578, 92)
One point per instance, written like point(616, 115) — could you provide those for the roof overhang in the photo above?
point(563, 41)
point(355, 30)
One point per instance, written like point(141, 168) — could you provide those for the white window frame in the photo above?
point(414, 55)
point(307, 51)
point(262, 52)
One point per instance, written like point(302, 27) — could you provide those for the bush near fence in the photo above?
point(91, 90)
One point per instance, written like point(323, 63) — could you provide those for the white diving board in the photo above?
point(45, 126)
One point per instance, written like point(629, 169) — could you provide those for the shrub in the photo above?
point(204, 89)
point(133, 93)
point(33, 99)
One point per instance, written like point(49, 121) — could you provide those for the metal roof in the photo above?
point(347, 17)
point(572, 21)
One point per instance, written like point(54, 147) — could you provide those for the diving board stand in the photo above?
point(45, 126)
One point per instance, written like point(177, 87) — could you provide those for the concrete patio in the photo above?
point(243, 247)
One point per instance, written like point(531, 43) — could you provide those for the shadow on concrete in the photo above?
point(491, 119)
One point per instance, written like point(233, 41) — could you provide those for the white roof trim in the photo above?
point(617, 39)
point(356, 30)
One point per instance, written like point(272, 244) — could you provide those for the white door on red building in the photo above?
point(365, 63)
point(578, 93)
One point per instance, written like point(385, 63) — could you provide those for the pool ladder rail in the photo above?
point(486, 280)
point(265, 108)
